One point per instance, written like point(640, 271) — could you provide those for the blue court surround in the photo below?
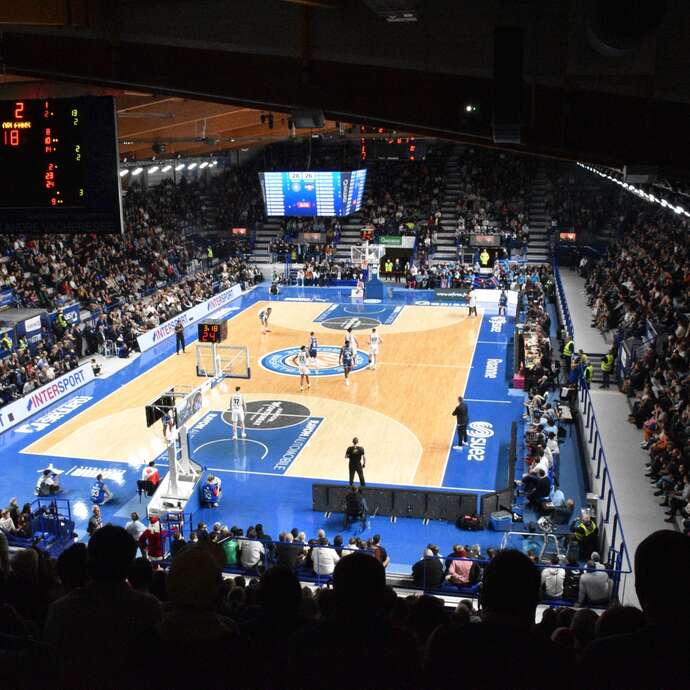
point(253, 489)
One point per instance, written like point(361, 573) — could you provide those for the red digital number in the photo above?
point(18, 110)
point(11, 137)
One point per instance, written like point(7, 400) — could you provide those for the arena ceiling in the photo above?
point(606, 81)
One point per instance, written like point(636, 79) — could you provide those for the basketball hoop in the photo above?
point(367, 254)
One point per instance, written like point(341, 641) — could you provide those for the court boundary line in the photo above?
point(498, 402)
point(231, 440)
point(464, 390)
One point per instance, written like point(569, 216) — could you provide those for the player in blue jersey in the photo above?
point(303, 366)
point(100, 493)
point(346, 359)
point(313, 350)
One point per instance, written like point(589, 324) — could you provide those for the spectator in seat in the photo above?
point(461, 570)
point(191, 619)
point(653, 656)
point(122, 615)
point(7, 523)
point(379, 551)
point(177, 544)
point(595, 586)
point(252, 551)
point(324, 558)
point(428, 571)
point(552, 579)
point(358, 628)
point(508, 602)
point(289, 554)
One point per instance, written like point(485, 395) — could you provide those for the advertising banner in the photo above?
point(19, 410)
point(165, 330)
point(6, 298)
point(402, 241)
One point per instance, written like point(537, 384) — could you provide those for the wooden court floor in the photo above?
point(401, 412)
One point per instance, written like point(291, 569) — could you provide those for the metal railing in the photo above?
point(561, 302)
point(613, 538)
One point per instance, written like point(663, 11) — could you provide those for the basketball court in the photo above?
point(401, 412)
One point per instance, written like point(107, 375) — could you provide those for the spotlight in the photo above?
point(179, 167)
point(470, 108)
point(124, 172)
point(153, 169)
point(191, 166)
point(204, 164)
point(166, 168)
point(137, 171)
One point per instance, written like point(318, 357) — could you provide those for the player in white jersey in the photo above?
point(303, 366)
point(264, 314)
point(375, 341)
point(313, 350)
point(350, 338)
point(238, 409)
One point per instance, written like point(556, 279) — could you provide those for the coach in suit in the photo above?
point(461, 414)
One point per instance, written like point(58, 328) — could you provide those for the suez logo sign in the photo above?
point(478, 433)
point(491, 370)
point(497, 323)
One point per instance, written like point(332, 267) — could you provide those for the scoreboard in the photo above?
point(313, 193)
point(59, 165)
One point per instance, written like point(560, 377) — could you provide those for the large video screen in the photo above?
point(313, 193)
point(59, 163)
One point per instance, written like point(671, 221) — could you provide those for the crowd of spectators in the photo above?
point(296, 240)
point(644, 280)
point(493, 197)
point(129, 283)
point(100, 612)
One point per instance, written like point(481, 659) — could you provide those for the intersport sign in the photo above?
point(196, 313)
point(20, 410)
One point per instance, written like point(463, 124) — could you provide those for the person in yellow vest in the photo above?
point(588, 373)
point(586, 532)
point(388, 267)
point(607, 368)
point(568, 350)
point(209, 255)
point(484, 258)
point(5, 343)
point(582, 358)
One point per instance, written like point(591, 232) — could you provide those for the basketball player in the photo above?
point(264, 314)
point(375, 340)
point(313, 350)
point(345, 358)
point(303, 366)
point(350, 338)
point(238, 409)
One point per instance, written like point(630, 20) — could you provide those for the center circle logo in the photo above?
point(480, 429)
point(272, 414)
point(285, 361)
point(356, 323)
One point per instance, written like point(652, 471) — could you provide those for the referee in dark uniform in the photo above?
point(179, 337)
point(357, 461)
point(461, 414)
